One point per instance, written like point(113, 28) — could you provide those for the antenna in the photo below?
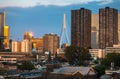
point(64, 31)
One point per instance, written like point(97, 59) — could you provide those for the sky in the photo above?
point(46, 16)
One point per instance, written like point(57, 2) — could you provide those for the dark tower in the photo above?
point(108, 27)
point(2, 24)
point(81, 28)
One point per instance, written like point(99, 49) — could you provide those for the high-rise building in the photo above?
point(119, 26)
point(26, 46)
point(108, 27)
point(2, 23)
point(16, 46)
point(51, 43)
point(6, 39)
point(81, 28)
point(95, 31)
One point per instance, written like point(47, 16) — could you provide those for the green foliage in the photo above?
point(100, 69)
point(77, 56)
point(111, 57)
point(26, 66)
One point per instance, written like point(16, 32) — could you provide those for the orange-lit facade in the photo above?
point(37, 43)
point(16, 46)
point(6, 34)
point(28, 35)
point(50, 43)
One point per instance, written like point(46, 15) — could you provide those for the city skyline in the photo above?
point(40, 17)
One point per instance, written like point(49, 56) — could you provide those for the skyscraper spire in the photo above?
point(64, 32)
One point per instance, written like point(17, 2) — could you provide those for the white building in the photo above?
point(115, 49)
point(97, 53)
point(26, 46)
point(16, 46)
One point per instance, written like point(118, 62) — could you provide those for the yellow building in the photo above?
point(6, 34)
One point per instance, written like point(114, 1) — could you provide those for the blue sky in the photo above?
point(45, 16)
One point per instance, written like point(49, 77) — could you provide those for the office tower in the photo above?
point(108, 27)
point(16, 46)
point(81, 28)
point(95, 30)
point(28, 35)
point(50, 43)
point(6, 35)
point(2, 23)
point(26, 46)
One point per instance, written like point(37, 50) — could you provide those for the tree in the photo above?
point(111, 57)
point(77, 56)
point(26, 65)
point(100, 69)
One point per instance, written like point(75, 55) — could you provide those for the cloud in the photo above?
point(32, 3)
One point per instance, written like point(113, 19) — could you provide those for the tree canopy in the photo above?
point(26, 65)
point(100, 69)
point(111, 57)
point(77, 56)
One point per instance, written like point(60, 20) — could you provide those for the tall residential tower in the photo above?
point(50, 43)
point(108, 27)
point(81, 28)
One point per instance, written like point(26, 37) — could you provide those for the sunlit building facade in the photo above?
point(26, 46)
point(28, 35)
point(108, 27)
point(50, 43)
point(95, 31)
point(81, 28)
point(7, 35)
point(37, 43)
point(16, 46)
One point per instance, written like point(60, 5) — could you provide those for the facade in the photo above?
point(2, 23)
point(94, 31)
point(16, 46)
point(81, 28)
point(28, 35)
point(108, 27)
point(37, 44)
point(26, 46)
point(7, 35)
point(50, 43)
point(119, 26)
point(114, 49)
point(97, 53)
